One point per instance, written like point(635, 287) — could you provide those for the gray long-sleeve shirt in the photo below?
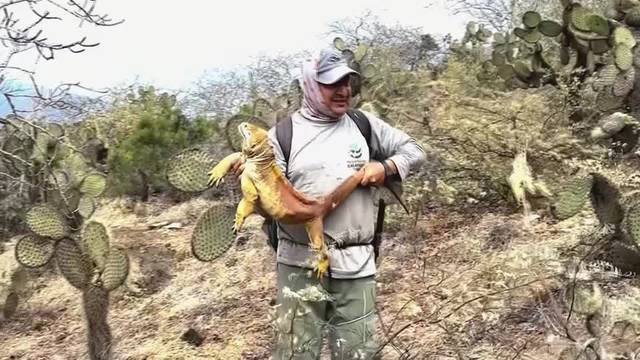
point(323, 154)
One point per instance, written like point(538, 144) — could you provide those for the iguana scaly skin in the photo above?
point(265, 189)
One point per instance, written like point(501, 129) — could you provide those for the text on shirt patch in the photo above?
point(355, 152)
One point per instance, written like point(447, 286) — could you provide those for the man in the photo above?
point(326, 147)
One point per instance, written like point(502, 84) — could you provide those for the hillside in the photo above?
point(229, 301)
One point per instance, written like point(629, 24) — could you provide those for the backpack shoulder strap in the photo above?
point(363, 124)
point(284, 133)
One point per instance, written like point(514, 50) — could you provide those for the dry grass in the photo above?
point(439, 273)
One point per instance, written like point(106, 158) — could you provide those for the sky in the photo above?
point(172, 43)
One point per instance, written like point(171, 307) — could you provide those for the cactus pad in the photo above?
point(361, 51)
point(598, 24)
point(580, 18)
point(605, 200)
point(606, 101)
point(187, 171)
point(624, 57)
point(95, 243)
point(606, 76)
point(369, 71)
point(623, 36)
point(632, 222)
point(529, 35)
point(34, 251)
point(46, 221)
point(116, 269)
point(522, 70)
point(93, 185)
point(339, 43)
point(86, 207)
point(61, 179)
point(74, 266)
point(550, 28)
point(498, 59)
point(56, 130)
point(572, 197)
point(636, 56)
point(212, 235)
point(624, 83)
point(12, 142)
point(44, 147)
point(531, 19)
point(632, 18)
point(533, 36)
point(483, 34)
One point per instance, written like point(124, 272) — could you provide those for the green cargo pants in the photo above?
point(307, 306)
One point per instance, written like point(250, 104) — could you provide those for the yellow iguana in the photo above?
point(265, 189)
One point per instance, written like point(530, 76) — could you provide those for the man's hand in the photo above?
point(373, 174)
point(237, 168)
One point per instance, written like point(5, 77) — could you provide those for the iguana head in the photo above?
point(255, 142)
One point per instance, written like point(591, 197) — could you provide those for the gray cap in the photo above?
point(332, 67)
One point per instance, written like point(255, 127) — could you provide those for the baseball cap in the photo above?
point(332, 66)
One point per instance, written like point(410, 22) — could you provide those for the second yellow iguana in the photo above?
point(265, 189)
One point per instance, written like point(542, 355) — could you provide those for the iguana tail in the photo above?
point(339, 194)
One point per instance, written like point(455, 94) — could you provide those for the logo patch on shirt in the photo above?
point(355, 151)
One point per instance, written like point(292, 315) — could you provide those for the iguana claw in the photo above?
point(322, 266)
point(215, 177)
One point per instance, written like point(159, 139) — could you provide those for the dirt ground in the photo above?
point(230, 301)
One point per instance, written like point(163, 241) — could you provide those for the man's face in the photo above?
point(337, 96)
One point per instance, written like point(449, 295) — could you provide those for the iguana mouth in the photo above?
point(242, 128)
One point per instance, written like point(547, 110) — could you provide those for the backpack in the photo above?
point(284, 129)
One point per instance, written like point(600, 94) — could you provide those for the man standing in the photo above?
point(326, 147)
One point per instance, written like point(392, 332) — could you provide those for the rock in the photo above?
point(192, 337)
point(140, 209)
point(158, 224)
point(174, 226)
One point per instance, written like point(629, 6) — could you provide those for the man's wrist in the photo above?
point(389, 167)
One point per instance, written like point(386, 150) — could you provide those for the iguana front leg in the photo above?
point(315, 230)
point(221, 169)
point(247, 203)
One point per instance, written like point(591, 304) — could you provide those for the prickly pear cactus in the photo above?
point(187, 170)
point(83, 252)
point(519, 57)
point(357, 59)
point(605, 200)
point(34, 251)
point(632, 222)
point(45, 221)
point(212, 235)
point(572, 197)
point(589, 43)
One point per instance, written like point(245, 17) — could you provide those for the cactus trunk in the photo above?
point(95, 302)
